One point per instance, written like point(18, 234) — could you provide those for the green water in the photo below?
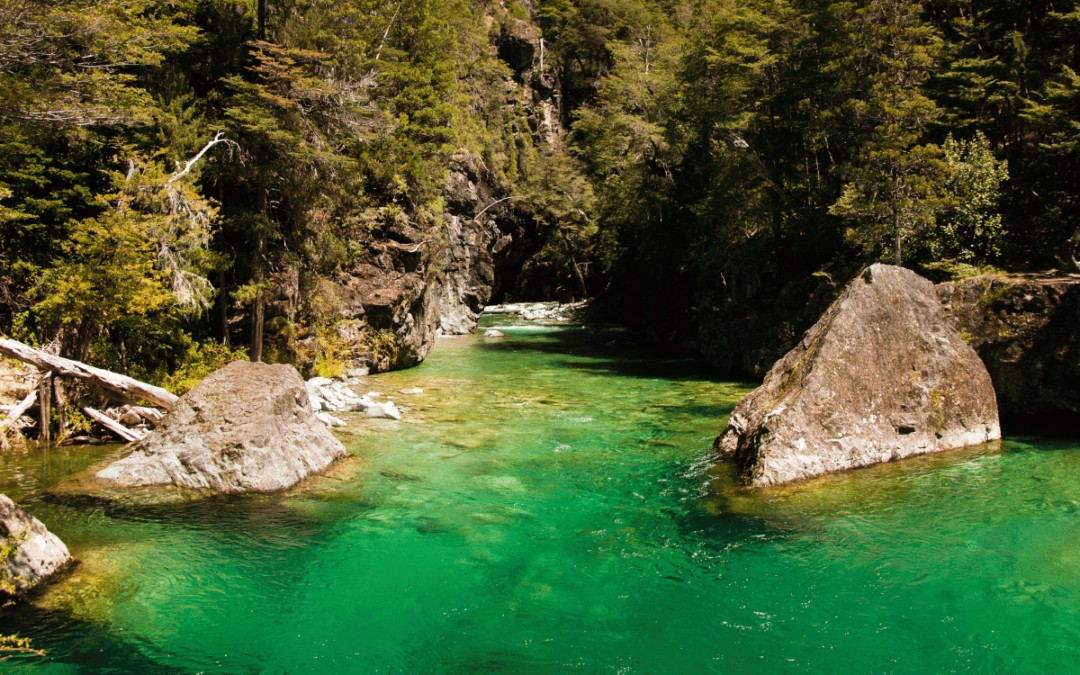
point(542, 509)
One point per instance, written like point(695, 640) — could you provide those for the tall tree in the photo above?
point(891, 183)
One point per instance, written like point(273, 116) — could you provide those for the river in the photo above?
point(543, 508)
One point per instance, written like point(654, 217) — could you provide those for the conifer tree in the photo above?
point(891, 182)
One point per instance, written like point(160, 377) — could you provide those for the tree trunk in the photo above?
point(114, 426)
point(262, 19)
point(121, 384)
point(44, 399)
point(258, 308)
point(61, 408)
point(896, 231)
point(574, 264)
point(222, 311)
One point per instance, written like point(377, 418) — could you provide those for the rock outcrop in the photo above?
point(881, 375)
point(246, 427)
point(1026, 329)
point(41, 553)
point(409, 277)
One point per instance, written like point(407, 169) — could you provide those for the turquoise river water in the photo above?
point(542, 509)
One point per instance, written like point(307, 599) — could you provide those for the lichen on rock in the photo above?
point(882, 375)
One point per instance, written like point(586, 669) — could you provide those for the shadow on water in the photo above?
point(225, 513)
point(609, 351)
point(68, 641)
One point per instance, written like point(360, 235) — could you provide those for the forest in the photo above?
point(168, 169)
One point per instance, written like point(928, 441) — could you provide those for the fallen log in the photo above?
point(15, 414)
point(121, 384)
point(149, 414)
point(113, 426)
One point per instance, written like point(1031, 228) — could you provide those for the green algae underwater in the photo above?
point(544, 508)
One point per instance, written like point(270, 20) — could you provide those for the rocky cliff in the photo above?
point(1026, 329)
point(411, 277)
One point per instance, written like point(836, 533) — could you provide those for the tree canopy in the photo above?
point(707, 147)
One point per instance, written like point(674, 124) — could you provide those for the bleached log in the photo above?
point(16, 412)
point(121, 384)
point(113, 426)
point(20, 410)
point(149, 414)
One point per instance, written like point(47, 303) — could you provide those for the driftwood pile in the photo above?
point(123, 418)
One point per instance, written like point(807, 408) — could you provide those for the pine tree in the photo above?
point(891, 182)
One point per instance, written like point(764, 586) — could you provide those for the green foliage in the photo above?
point(890, 191)
point(955, 271)
point(971, 231)
point(70, 63)
point(718, 149)
point(196, 362)
point(139, 262)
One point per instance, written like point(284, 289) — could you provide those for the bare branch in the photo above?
point(497, 201)
point(217, 139)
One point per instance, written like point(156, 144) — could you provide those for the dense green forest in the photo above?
point(164, 166)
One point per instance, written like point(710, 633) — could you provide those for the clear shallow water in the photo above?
point(541, 509)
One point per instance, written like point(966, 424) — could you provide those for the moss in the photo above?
point(993, 294)
point(937, 402)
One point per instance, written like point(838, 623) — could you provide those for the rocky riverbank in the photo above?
point(38, 553)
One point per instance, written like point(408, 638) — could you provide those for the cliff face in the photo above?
point(1026, 329)
point(411, 280)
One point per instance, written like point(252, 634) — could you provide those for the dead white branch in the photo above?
point(114, 426)
point(149, 414)
point(16, 412)
point(121, 384)
point(497, 201)
point(387, 32)
point(218, 138)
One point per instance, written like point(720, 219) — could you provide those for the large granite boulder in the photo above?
point(882, 375)
point(246, 427)
point(41, 553)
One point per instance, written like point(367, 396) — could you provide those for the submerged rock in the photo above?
point(41, 553)
point(882, 375)
point(246, 427)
